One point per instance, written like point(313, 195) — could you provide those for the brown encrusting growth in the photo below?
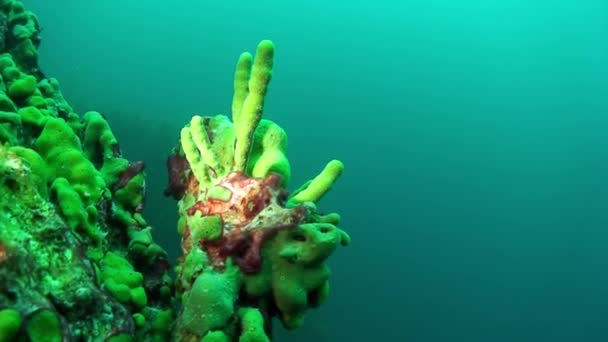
point(251, 212)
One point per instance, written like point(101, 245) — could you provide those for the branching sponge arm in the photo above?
point(321, 184)
point(241, 84)
point(253, 106)
point(201, 140)
point(193, 155)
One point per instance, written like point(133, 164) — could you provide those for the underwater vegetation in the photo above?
point(77, 258)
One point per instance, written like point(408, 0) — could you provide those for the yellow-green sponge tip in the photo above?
point(265, 49)
point(241, 86)
point(321, 184)
point(261, 71)
point(253, 106)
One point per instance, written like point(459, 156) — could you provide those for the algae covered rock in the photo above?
point(70, 214)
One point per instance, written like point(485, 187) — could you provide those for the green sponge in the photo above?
point(61, 149)
point(122, 281)
point(32, 116)
point(252, 323)
point(206, 228)
point(39, 172)
point(320, 184)
point(44, 326)
point(252, 105)
point(124, 337)
point(216, 336)
point(296, 272)
point(132, 194)
point(6, 104)
point(10, 320)
point(77, 215)
point(268, 152)
point(99, 141)
point(22, 87)
point(210, 290)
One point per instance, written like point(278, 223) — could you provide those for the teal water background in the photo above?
point(474, 134)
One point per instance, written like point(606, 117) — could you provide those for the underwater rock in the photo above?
point(77, 261)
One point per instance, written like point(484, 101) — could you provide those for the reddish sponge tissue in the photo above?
point(248, 197)
point(3, 253)
point(253, 213)
point(133, 170)
point(177, 168)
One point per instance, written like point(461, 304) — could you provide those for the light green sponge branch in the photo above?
point(320, 185)
point(223, 141)
point(99, 141)
point(193, 155)
point(241, 87)
point(269, 152)
point(201, 140)
point(253, 106)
